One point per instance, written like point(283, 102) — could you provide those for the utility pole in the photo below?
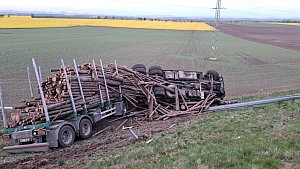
point(214, 46)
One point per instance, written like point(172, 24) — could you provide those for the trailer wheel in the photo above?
point(155, 70)
point(66, 136)
point(214, 74)
point(85, 129)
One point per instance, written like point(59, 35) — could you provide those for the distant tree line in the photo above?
point(291, 21)
point(3, 15)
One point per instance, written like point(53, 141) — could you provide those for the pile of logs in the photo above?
point(134, 88)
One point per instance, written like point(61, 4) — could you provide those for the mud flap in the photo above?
point(36, 147)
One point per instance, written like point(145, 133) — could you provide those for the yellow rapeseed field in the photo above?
point(281, 23)
point(28, 22)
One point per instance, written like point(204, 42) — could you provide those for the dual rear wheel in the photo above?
point(66, 135)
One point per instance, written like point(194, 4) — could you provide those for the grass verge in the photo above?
point(265, 137)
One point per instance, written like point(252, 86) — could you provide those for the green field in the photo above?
point(247, 67)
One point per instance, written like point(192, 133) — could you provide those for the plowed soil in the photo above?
point(277, 35)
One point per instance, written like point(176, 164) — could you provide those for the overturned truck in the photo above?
point(73, 98)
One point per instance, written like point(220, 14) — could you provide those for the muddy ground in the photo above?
point(108, 140)
point(277, 35)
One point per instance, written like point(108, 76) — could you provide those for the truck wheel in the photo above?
point(85, 129)
point(66, 136)
point(159, 91)
point(168, 93)
point(139, 68)
point(214, 74)
point(155, 70)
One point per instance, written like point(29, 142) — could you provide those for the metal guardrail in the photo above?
point(253, 103)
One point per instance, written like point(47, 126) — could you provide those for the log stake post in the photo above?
point(150, 106)
point(105, 84)
point(120, 90)
point(176, 99)
point(99, 86)
point(69, 89)
point(30, 83)
point(80, 86)
point(2, 108)
point(40, 73)
point(211, 84)
point(201, 92)
point(41, 91)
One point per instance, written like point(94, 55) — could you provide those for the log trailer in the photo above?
point(193, 85)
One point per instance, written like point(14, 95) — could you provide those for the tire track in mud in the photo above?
point(109, 140)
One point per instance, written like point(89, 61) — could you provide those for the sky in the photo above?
point(177, 8)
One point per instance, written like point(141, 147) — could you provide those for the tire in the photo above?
point(155, 70)
point(66, 136)
point(214, 74)
point(155, 67)
point(138, 66)
point(168, 93)
point(85, 129)
point(159, 91)
point(140, 70)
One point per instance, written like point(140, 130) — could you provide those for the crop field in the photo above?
point(291, 24)
point(272, 34)
point(248, 67)
point(28, 22)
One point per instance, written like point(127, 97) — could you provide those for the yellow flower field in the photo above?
point(291, 24)
point(28, 22)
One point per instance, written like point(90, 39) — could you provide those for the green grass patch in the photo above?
point(61, 162)
point(265, 137)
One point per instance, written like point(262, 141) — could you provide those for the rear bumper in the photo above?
point(36, 147)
